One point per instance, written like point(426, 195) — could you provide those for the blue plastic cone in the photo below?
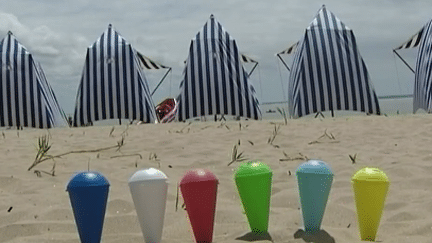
point(88, 192)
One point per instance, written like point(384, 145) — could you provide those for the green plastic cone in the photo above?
point(254, 181)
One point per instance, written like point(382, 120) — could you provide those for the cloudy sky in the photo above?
point(57, 33)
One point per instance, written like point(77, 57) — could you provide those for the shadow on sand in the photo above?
point(251, 236)
point(319, 237)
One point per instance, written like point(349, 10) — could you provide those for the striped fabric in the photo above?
point(423, 71)
point(27, 99)
point(244, 59)
point(215, 82)
point(147, 63)
point(247, 59)
point(414, 41)
point(290, 49)
point(328, 72)
point(113, 86)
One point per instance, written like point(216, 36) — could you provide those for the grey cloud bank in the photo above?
point(57, 33)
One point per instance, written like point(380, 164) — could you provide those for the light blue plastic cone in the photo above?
point(314, 181)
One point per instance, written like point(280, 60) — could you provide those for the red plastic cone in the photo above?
point(199, 190)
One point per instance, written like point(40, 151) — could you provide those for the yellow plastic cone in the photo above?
point(370, 190)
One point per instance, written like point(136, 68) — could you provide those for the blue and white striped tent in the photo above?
point(113, 85)
point(328, 72)
point(423, 69)
point(27, 99)
point(215, 82)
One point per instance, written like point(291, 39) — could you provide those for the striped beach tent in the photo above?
point(423, 77)
point(113, 85)
point(328, 72)
point(215, 82)
point(27, 100)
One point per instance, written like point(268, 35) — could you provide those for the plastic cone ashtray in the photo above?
point(314, 179)
point(370, 190)
point(199, 190)
point(88, 192)
point(254, 182)
point(149, 193)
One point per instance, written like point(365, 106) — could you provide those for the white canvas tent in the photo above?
point(215, 82)
point(328, 72)
point(27, 98)
point(113, 85)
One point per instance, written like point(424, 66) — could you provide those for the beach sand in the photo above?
point(37, 208)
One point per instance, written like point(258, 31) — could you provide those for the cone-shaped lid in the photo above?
point(198, 175)
point(315, 167)
point(87, 179)
point(370, 174)
point(252, 168)
point(149, 174)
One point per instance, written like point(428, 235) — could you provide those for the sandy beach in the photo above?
point(34, 206)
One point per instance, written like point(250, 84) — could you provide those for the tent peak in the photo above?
point(212, 16)
point(10, 32)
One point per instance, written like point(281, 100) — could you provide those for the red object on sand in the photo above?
point(199, 190)
point(166, 110)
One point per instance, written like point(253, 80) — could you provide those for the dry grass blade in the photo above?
point(300, 156)
point(38, 173)
point(44, 146)
point(236, 157)
point(283, 113)
point(112, 130)
point(234, 153)
point(126, 155)
point(325, 135)
point(177, 198)
point(223, 124)
point(273, 136)
point(120, 143)
point(251, 142)
point(353, 158)
point(53, 169)
point(181, 130)
point(319, 113)
point(125, 133)
point(153, 156)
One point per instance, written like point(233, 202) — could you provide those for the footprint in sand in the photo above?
point(10, 183)
point(119, 206)
point(12, 231)
point(403, 216)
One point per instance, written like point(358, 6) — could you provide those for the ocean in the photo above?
point(389, 107)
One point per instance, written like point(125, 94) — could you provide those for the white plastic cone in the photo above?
point(149, 193)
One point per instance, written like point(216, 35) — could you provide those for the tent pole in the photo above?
point(284, 63)
point(397, 54)
point(250, 73)
point(160, 82)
